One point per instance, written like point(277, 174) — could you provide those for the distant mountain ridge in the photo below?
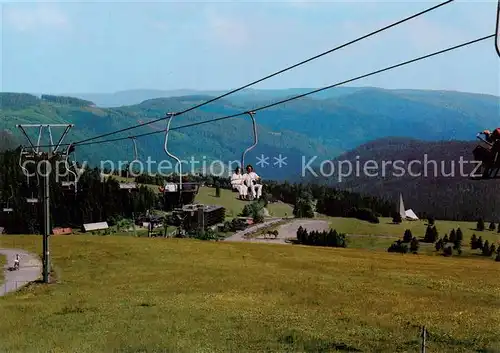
point(132, 97)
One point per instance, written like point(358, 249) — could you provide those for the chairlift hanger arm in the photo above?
point(136, 155)
point(497, 37)
point(68, 167)
point(165, 147)
point(25, 170)
point(255, 138)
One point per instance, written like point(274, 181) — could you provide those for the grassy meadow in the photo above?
point(125, 294)
point(362, 234)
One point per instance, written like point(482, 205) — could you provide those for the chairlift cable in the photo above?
point(275, 73)
point(307, 93)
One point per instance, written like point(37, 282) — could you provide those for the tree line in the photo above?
point(329, 238)
point(93, 201)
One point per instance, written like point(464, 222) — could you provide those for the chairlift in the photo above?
point(33, 200)
point(255, 139)
point(132, 185)
point(69, 184)
point(488, 153)
point(181, 193)
point(7, 208)
point(26, 172)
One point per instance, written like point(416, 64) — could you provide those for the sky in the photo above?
point(103, 47)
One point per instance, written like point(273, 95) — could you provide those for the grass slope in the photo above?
point(151, 295)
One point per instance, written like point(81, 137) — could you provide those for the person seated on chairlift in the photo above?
point(491, 137)
point(252, 180)
point(237, 182)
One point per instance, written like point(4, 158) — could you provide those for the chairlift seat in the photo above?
point(32, 200)
point(185, 187)
point(8, 209)
point(128, 186)
point(171, 187)
point(489, 156)
point(175, 199)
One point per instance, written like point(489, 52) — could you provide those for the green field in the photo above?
point(383, 234)
point(177, 295)
point(234, 206)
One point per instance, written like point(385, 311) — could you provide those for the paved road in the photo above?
point(290, 230)
point(30, 270)
point(285, 231)
point(240, 236)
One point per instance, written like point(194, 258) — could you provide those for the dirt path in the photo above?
point(29, 271)
point(285, 231)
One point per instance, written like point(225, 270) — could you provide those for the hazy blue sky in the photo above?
point(89, 47)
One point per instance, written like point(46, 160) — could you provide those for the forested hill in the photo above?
point(320, 126)
point(440, 189)
point(7, 140)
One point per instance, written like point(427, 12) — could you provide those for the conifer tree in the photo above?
point(435, 234)
point(407, 236)
point(479, 243)
point(473, 242)
point(397, 218)
point(414, 245)
point(480, 225)
point(453, 236)
point(439, 245)
point(486, 248)
point(428, 234)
